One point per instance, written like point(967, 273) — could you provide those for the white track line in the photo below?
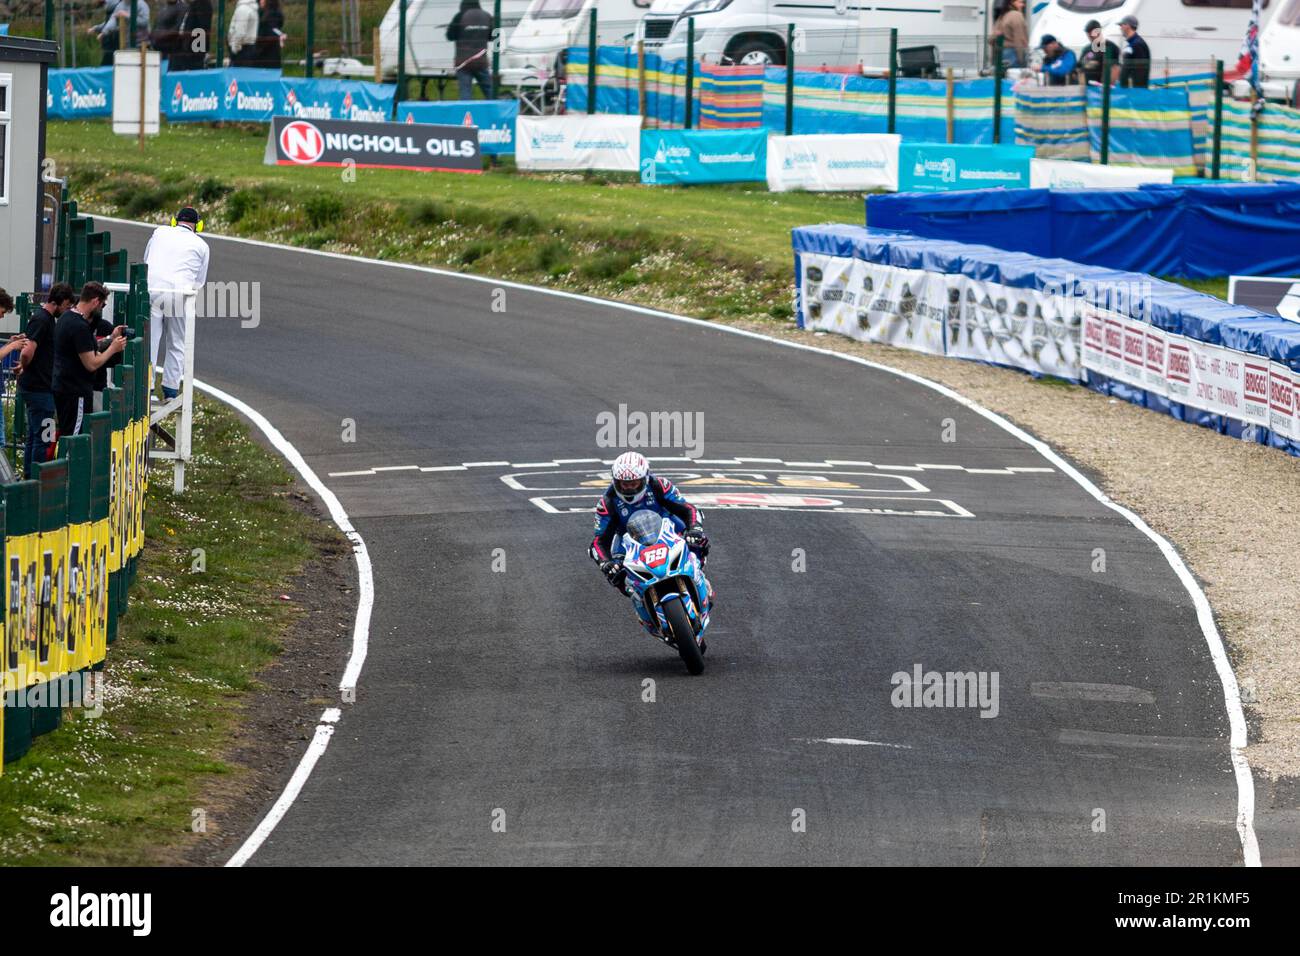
point(1204, 614)
point(360, 628)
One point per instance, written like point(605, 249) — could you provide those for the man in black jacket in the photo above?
point(1092, 57)
point(471, 30)
point(36, 376)
point(168, 37)
point(78, 355)
point(1134, 68)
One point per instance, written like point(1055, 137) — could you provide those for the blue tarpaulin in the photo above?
point(1166, 305)
point(1192, 231)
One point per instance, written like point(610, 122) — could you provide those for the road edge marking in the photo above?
point(360, 628)
point(1204, 614)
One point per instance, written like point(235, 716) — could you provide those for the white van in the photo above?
point(829, 33)
point(531, 50)
point(1279, 54)
point(1187, 33)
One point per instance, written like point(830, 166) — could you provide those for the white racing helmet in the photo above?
point(631, 476)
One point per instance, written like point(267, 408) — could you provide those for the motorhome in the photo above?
point(1185, 34)
point(1279, 54)
point(834, 33)
point(534, 48)
point(428, 51)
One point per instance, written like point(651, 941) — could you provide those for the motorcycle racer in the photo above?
point(632, 488)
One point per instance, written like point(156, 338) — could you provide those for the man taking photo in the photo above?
point(36, 376)
point(78, 355)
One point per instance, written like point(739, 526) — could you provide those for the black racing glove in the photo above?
point(697, 540)
point(614, 572)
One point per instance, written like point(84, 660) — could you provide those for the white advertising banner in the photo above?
point(1015, 326)
point(1066, 174)
point(852, 162)
point(938, 313)
point(1212, 378)
point(579, 141)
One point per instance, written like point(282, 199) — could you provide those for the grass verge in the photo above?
point(120, 789)
point(715, 252)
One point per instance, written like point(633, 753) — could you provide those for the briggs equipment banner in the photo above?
point(301, 142)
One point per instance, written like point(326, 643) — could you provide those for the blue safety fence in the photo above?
point(1191, 328)
point(495, 120)
point(847, 103)
point(824, 101)
point(1151, 127)
point(1192, 231)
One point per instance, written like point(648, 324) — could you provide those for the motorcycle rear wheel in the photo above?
point(684, 636)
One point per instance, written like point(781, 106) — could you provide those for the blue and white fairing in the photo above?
point(661, 568)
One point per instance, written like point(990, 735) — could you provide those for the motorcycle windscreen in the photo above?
point(643, 527)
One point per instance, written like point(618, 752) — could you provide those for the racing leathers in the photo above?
point(662, 497)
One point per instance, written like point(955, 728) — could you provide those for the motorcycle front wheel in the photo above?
point(684, 636)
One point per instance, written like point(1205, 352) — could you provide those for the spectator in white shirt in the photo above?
point(178, 264)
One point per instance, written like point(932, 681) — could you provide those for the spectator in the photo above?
point(168, 36)
point(78, 355)
point(1134, 66)
point(270, 34)
point(197, 31)
point(471, 30)
point(178, 263)
point(1058, 62)
point(242, 35)
point(1011, 26)
point(117, 23)
point(36, 376)
point(1092, 57)
point(6, 303)
point(102, 329)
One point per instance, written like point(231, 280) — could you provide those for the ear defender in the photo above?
point(199, 226)
point(173, 220)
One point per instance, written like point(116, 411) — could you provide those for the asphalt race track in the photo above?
point(518, 695)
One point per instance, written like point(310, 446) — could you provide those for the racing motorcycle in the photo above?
point(665, 581)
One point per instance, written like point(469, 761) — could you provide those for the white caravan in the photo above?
point(531, 50)
point(1186, 33)
point(1279, 54)
point(830, 33)
point(428, 51)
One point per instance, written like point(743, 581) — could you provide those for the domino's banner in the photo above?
point(581, 141)
point(495, 120)
point(79, 94)
point(295, 142)
point(703, 156)
point(937, 167)
point(353, 100)
point(852, 162)
point(255, 96)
